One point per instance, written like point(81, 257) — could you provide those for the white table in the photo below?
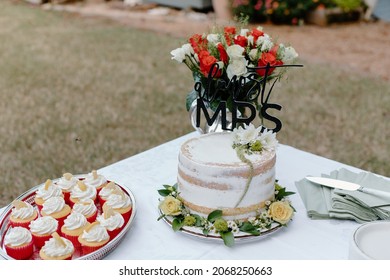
point(303, 239)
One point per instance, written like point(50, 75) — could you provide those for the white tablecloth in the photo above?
point(302, 239)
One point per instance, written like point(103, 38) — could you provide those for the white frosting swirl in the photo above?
point(106, 192)
point(53, 205)
point(23, 212)
point(66, 184)
point(44, 225)
point(78, 193)
point(75, 221)
point(117, 201)
point(113, 222)
point(97, 233)
point(17, 236)
point(45, 192)
point(94, 180)
point(53, 248)
point(85, 206)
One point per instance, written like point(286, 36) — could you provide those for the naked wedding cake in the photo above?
point(232, 172)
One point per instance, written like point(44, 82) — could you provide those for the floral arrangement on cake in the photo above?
point(245, 140)
point(279, 211)
point(232, 56)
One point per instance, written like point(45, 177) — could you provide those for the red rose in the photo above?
point(198, 43)
point(241, 41)
point(206, 61)
point(256, 34)
point(266, 58)
point(223, 56)
point(230, 31)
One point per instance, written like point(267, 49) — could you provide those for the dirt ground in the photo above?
point(362, 46)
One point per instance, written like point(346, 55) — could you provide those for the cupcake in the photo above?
point(42, 229)
point(106, 191)
point(95, 180)
point(94, 237)
point(66, 184)
point(82, 191)
point(22, 214)
point(45, 192)
point(56, 208)
point(88, 208)
point(73, 227)
point(18, 243)
point(120, 202)
point(57, 248)
point(111, 220)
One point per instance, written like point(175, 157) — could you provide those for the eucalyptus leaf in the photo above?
point(163, 192)
point(214, 215)
point(228, 238)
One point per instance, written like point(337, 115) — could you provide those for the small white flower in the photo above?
point(244, 31)
point(268, 140)
point(289, 55)
point(265, 42)
point(268, 203)
point(237, 67)
point(247, 134)
point(232, 224)
point(250, 40)
point(253, 54)
point(235, 52)
point(213, 38)
point(180, 54)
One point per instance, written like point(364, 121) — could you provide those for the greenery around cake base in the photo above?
point(279, 211)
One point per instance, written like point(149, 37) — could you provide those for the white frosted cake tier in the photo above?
point(211, 176)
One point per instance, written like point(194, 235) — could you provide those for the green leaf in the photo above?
point(167, 186)
point(214, 215)
point(198, 220)
point(228, 238)
point(177, 224)
point(205, 231)
point(249, 228)
point(163, 192)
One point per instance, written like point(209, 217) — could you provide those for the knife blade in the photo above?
point(349, 186)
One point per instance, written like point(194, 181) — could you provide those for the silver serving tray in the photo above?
point(96, 255)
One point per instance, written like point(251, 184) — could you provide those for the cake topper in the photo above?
point(242, 92)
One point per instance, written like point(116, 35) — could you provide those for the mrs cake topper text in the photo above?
point(249, 94)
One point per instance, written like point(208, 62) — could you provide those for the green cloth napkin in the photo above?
point(327, 203)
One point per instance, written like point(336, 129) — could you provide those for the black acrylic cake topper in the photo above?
point(244, 92)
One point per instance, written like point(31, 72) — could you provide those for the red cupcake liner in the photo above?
point(114, 233)
point(92, 218)
point(66, 197)
point(39, 240)
point(72, 238)
point(20, 224)
point(126, 216)
point(20, 253)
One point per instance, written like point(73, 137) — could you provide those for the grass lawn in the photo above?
point(77, 94)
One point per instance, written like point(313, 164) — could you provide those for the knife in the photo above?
point(344, 185)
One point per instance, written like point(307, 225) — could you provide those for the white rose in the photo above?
point(235, 51)
point(237, 67)
point(289, 55)
point(180, 54)
point(265, 42)
point(244, 32)
point(213, 38)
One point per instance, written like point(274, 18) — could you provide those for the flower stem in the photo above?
point(240, 153)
